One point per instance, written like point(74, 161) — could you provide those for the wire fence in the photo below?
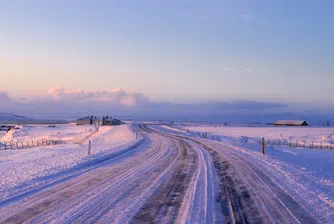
point(299, 143)
point(31, 144)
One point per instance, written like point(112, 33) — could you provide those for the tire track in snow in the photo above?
point(63, 193)
point(163, 206)
point(252, 196)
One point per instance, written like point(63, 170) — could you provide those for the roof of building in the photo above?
point(83, 118)
point(290, 122)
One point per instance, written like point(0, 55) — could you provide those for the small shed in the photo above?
point(291, 123)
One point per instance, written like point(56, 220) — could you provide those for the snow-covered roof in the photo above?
point(291, 122)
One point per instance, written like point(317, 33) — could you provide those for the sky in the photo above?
point(177, 51)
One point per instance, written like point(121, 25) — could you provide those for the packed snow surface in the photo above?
point(307, 175)
point(165, 176)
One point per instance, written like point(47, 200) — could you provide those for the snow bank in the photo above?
point(20, 167)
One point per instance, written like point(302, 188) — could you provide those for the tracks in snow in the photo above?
point(174, 180)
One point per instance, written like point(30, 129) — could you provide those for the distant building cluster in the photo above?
point(103, 121)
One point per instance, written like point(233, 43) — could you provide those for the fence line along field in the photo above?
point(28, 136)
point(307, 137)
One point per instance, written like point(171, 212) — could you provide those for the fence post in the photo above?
point(17, 147)
point(33, 145)
point(89, 147)
point(136, 135)
point(263, 145)
point(22, 145)
point(321, 145)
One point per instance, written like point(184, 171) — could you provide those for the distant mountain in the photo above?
point(12, 117)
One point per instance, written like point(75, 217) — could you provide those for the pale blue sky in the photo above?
point(172, 50)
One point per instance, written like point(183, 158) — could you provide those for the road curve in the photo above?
point(167, 179)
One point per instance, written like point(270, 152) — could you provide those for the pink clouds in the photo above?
point(115, 96)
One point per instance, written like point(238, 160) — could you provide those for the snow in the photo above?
point(308, 134)
point(306, 175)
point(20, 168)
point(68, 133)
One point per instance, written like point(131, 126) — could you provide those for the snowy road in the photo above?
point(167, 178)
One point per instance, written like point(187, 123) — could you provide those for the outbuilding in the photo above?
point(104, 121)
point(89, 120)
point(291, 123)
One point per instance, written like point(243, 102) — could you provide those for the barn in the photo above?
point(89, 120)
point(291, 123)
point(105, 121)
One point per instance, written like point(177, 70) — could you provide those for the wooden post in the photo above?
point(312, 145)
point(37, 142)
point(33, 145)
point(263, 145)
point(321, 145)
point(17, 147)
point(136, 135)
point(89, 146)
point(22, 145)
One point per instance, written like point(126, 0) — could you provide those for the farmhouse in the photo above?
point(105, 120)
point(291, 123)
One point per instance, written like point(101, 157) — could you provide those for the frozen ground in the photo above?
point(168, 176)
point(307, 134)
point(307, 175)
point(21, 167)
point(68, 133)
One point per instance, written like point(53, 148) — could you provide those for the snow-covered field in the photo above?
point(308, 134)
point(22, 167)
point(307, 175)
point(68, 133)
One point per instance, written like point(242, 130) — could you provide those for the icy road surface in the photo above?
point(166, 178)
